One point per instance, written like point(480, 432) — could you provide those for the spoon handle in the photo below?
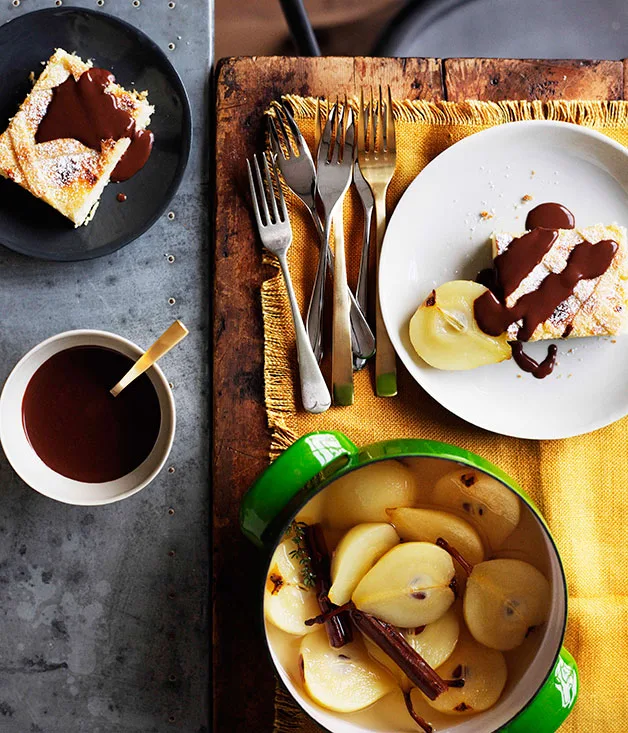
point(169, 338)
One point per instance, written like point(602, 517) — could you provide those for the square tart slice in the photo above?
point(597, 307)
point(64, 173)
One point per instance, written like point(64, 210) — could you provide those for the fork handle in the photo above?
point(314, 392)
point(362, 338)
point(361, 291)
point(341, 361)
point(385, 358)
point(314, 317)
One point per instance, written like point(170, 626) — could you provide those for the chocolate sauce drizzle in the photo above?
point(83, 111)
point(550, 216)
point(528, 364)
point(586, 262)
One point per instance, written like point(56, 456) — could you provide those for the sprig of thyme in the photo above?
point(301, 554)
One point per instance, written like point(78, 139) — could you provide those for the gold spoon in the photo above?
point(169, 338)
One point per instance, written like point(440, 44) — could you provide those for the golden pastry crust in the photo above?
point(598, 307)
point(64, 173)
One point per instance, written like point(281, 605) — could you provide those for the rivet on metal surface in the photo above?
point(170, 258)
point(171, 511)
point(171, 469)
point(171, 719)
point(172, 595)
point(171, 5)
point(100, 2)
point(171, 385)
point(58, 2)
point(171, 215)
point(136, 3)
point(171, 301)
point(171, 553)
point(171, 46)
point(172, 678)
point(16, 3)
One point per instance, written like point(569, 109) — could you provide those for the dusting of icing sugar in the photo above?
point(65, 170)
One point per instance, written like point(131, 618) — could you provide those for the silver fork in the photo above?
point(377, 155)
point(368, 204)
point(276, 235)
point(298, 171)
point(334, 166)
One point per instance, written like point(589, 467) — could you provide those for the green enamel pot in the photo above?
point(546, 686)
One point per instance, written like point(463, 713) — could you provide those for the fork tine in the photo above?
point(271, 189)
point(318, 124)
point(286, 135)
point(323, 147)
point(373, 121)
point(350, 132)
point(262, 190)
point(391, 140)
point(381, 122)
point(297, 137)
point(336, 155)
point(254, 195)
point(362, 122)
point(282, 201)
point(274, 138)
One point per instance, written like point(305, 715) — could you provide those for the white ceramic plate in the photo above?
point(437, 234)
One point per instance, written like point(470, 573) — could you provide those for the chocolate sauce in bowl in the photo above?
point(550, 216)
point(77, 427)
point(83, 111)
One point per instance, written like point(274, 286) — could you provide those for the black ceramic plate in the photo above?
point(30, 226)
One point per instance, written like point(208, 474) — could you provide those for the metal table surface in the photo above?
point(103, 610)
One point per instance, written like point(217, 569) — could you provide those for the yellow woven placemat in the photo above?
point(578, 483)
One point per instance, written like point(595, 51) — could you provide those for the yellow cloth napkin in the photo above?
point(579, 483)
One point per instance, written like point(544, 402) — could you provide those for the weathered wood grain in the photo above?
point(243, 680)
point(497, 79)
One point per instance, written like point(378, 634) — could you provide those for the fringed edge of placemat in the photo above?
point(473, 112)
point(277, 368)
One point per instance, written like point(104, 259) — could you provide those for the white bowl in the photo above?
point(29, 466)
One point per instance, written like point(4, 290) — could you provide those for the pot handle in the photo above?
point(553, 702)
point(309, 461)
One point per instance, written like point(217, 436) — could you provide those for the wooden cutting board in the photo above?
point(243, 681)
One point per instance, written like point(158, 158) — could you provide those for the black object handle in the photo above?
point(300, 27)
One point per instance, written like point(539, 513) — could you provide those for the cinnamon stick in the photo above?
point(338, 625)
point(462, 561)
point(391, 641)
point(421, 722)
